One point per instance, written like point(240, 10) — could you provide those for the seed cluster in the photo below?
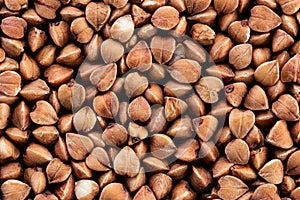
point(113, 100)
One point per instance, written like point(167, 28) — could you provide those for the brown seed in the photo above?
point(98, 160)
point(245, 75)
point(135, 183)
point(7, 64)
point(174, 107)
point(47, 9)
point(289, 24)
point(205, 126)
point(10, 83)
point(144, 193)
point(295, 193)
point(226, 20)
point(36, 154)
point(60, 149)
point(240, 56)
point(127, 163)
point(69, 13)
point(290, 72)
point(91, 49)
point(259, 157)
point(162, 48)
point(13, 48)
point(5, 115)
point(32, 17)
point(29, 68)
point(35, 90)
point(181, 128)
point(139, 109)
point(136, 132)
point(207, 16)
point(279, 135)
point(277, 90)
point(36, 178)
point(86, 189)
point(261, 55)
point(292, 166)
point(21, 116)
point(97, 14)
point(70, 55)
point(81, 170)
point(139, 15)
point(14, 189)
point(241, 122)
point(203, 34)
point(78, 145)
point(221, 167)
point(115, 135)
point(104, 77)
point(106, 105)
point(106, 178)
point(162, 146)
point(237, 152)
point(46, 56)
point(289, 7)
point(196, 105)
point(59, 32)
point(118, 12)
point(188, 150)
point(155, 165)
point(135, 84)
point(191, 51)
point(84, 120)
point(200, 178)
point(239, 31)
point(178, 170)
point(165, 17)
point(122, 29)
point(43, 114)
point(183, 191)
point(208, 87)
point(8, 150)
point(243, 172)
point(36, 39)
point(12, 170)
point(225, 7)
point(224, 136)
point(255, 138)
point(65, 123)
point(14, 27)
point(114, 191)
point(281, 40)
point(267, 73)
point(46, 134)
point(256, 99)
point(220, 48)
point(288, 184)
point(286, 108)
point(117, 4)
point(231, 187)
point(154, 94)
point(272, 171)
point(185, 71)
point(264, 191)
point(195, 7)
point(295, 133)
point(263, 19)
point(139, 57)
point(16, 5)
point(81, 30)
point(157, 122)
point(109, 54)
point(235, 93)
point(17, 135)
point(57, 75)
point(65, 190)
point(161, 185)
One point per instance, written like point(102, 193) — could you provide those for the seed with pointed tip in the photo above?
point(161, 185)
point(162, 146)
point(205, 126)
point(86, 189)
point(241, 122)
point(256, 99)
point(126, 163)
point(8, 151)
point(78, 145)
point(114, 191)
point(280, 136)
point(144, 193)
point(266, 191)
point(221, 167)
point(272, 171)
point(286, 108)
point(36, 178)
point(139, 109)
point(14, 189)
point(237, 152)
point(200, 178)
point(135, 183)
point(231, 187)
